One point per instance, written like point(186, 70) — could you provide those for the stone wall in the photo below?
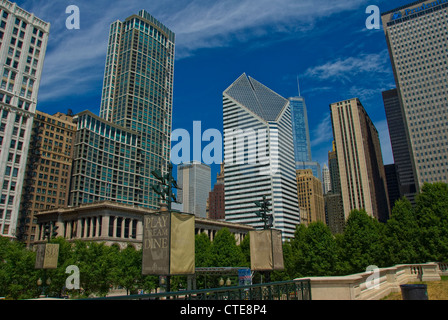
point(376, 284)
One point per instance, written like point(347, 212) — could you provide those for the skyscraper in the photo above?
point(360, 162)
point(107, 163)
point(334, 209)
point(138, 91)
point(23, 42)
point(48, 170)
point(216, 204)
point(259, 155)
point(301, 136)
point(417, 36)
point(309, 192)
point(400, 144)
point(194, 181)
point(326, 180)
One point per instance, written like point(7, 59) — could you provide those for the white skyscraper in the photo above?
point(326, 180)
point(194, 181)
point(23, 42)
point(259, 155)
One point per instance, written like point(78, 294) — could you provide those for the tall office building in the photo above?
point(309, 192)
point(107, 163)
point(326, 180)
point(48, 171)
point(259, 155)
point(400, 144)
point(301, 136)
point(360, 162)
point(23, 42)
point(138, 91)
point(334, 209)
point(194, 181)
point(216, 204)
point(417, 36)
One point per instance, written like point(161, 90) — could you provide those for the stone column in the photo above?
point(105, 226)
point(114, 232)
point(139, 235)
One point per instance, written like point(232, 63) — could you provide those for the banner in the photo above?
point(182, 255)
point(47, 256)
point(168, 244)
point(266, 252)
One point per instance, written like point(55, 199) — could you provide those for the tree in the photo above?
point(402, 235)
point(128, 269)
point(224, 252)
point(432, 218)
point(362, 242)
point(202, 250)
point(18, 278)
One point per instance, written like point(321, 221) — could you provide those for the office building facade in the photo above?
point(301, 137)
point(310, 196)
point(107, 163)
point(23, 42)
point(417, 36)
point(216, 204)
point(361, 170)
point(259, 155)
point(48, 170)
point(400, 144)
point(194, 181)
point(326, 180)
point(138, 91)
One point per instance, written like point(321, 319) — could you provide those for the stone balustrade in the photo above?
point(376, 284)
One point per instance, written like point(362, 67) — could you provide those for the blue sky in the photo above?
point(324, 43)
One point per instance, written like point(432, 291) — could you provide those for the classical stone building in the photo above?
point(117, 223)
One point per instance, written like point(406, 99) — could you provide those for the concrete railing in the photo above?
point(376, 284)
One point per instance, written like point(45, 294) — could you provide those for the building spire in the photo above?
point(298, 85)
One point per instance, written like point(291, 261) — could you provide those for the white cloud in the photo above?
point(346, 69)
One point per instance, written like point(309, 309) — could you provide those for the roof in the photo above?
point(257, 97)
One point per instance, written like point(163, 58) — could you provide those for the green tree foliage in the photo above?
point(224, 251)
point(362, 242)
point(18, 279)
point(432, 218)
point(202, 250)
point(401, 241)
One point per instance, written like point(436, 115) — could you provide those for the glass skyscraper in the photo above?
point(301, 135)
point(138, 91)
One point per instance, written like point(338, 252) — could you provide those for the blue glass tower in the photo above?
point(301, 135)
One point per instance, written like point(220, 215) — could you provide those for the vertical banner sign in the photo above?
point(182, 255)
point(156, 259)
point(40, 256)
point(266, 252)
point(51, 256)
point(47, 256)
point(168, 244)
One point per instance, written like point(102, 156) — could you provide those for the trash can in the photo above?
point(414, 291)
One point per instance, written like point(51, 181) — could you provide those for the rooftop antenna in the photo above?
point(298, 85)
